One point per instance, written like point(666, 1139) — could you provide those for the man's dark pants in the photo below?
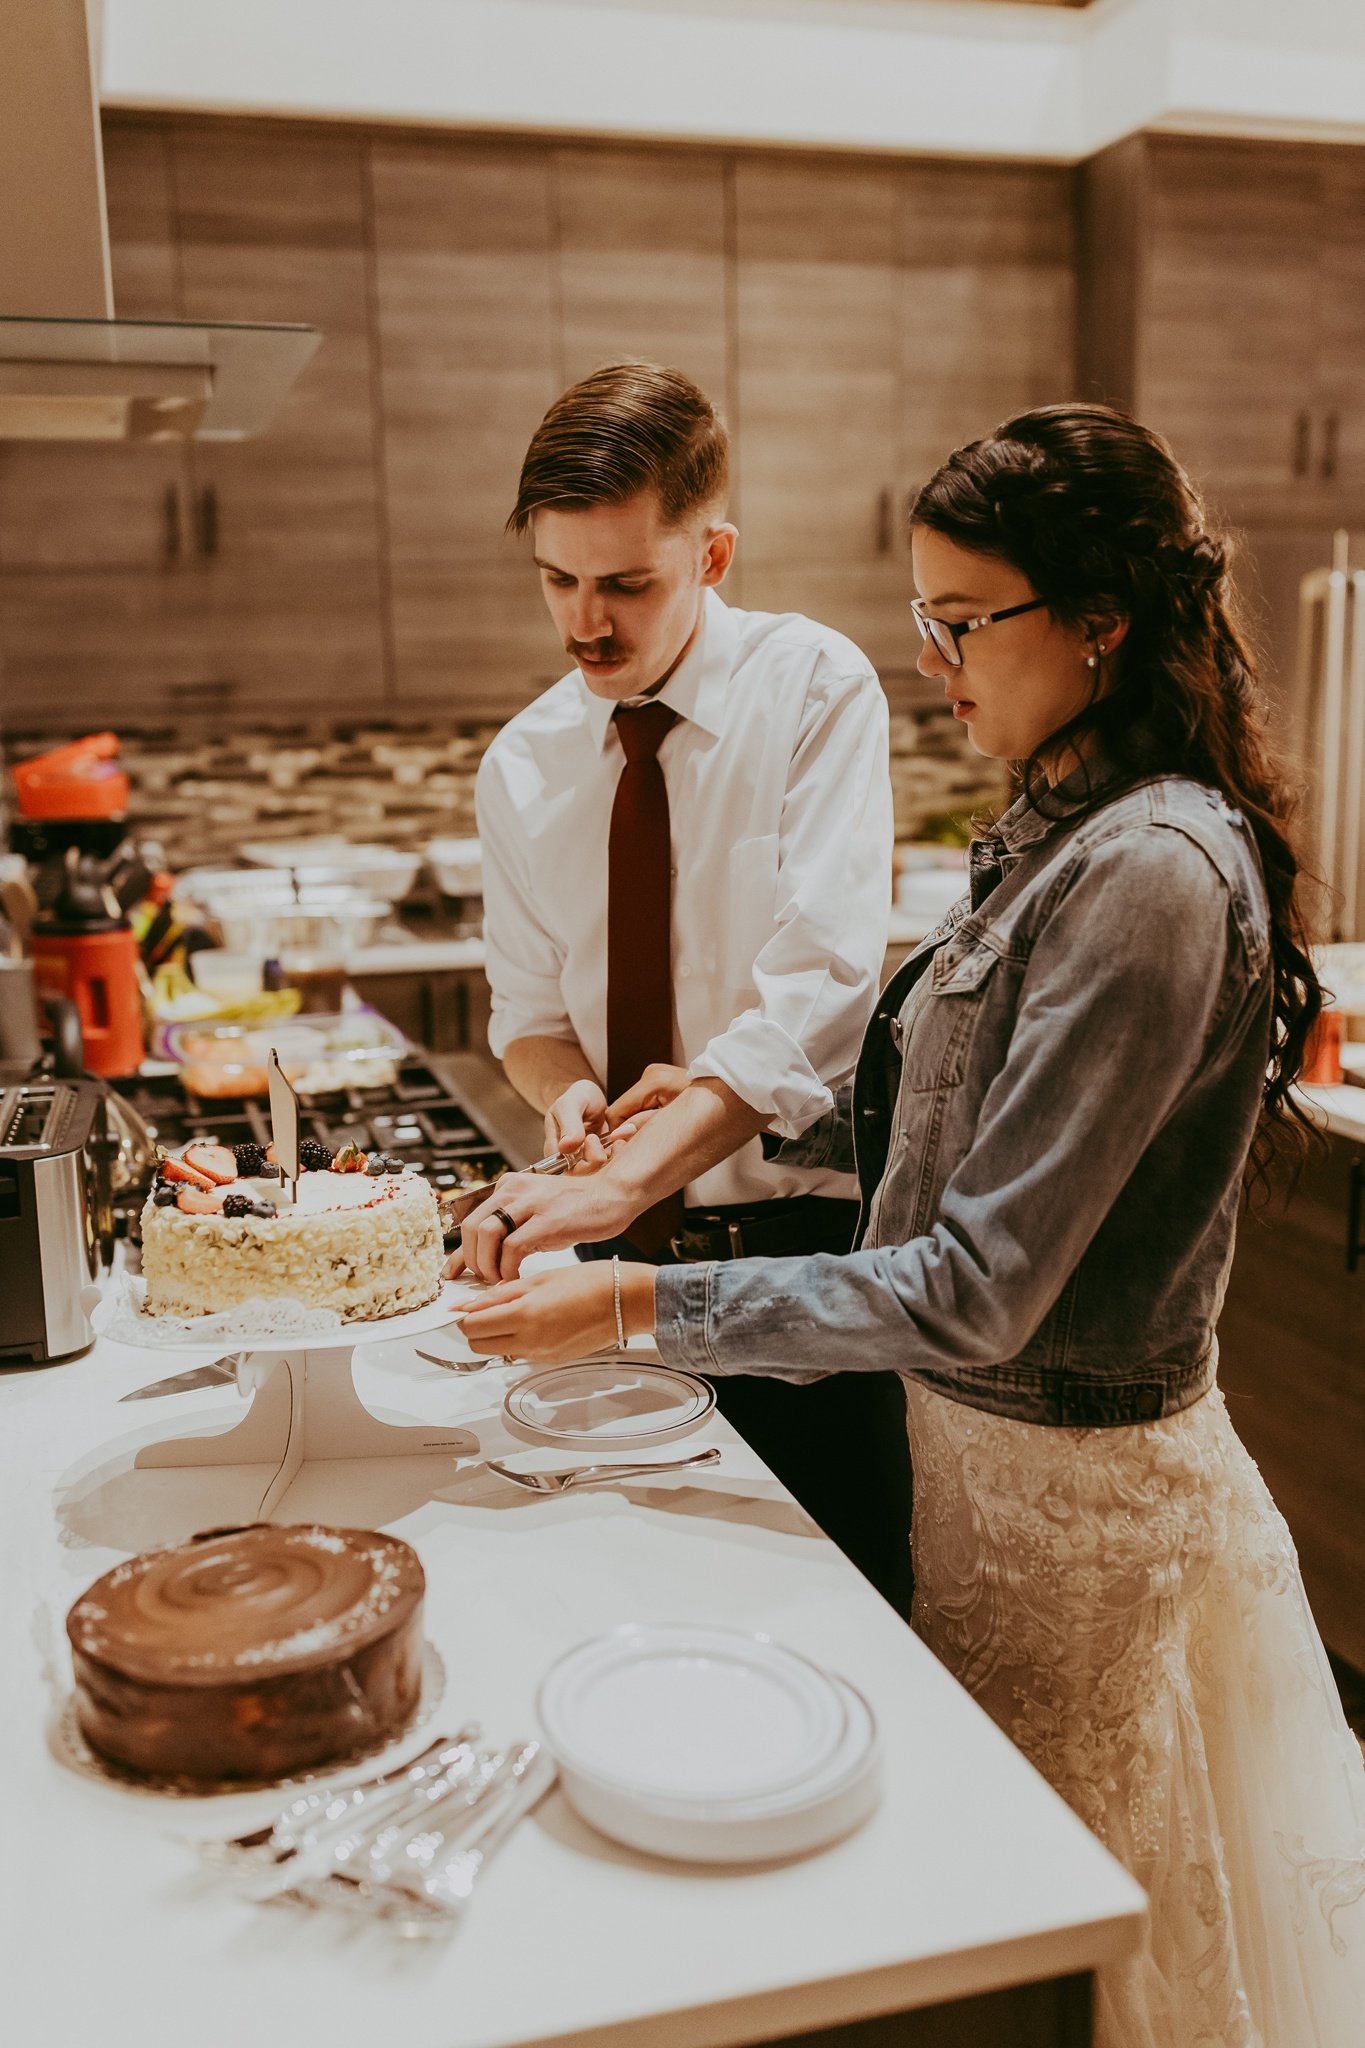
point(838, 1445)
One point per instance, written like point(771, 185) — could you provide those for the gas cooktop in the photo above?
point(416, 1116)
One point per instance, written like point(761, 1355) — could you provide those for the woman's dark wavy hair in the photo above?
point(1095, 510)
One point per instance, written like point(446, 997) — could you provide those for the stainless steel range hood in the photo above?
point(69, 370)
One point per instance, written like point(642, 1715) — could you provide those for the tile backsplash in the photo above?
point(405, 783)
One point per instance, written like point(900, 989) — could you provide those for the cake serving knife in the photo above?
point(284, 1123)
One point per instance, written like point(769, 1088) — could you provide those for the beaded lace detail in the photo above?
point(1126, 1604)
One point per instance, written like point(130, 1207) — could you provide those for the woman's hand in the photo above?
point(558, 1317)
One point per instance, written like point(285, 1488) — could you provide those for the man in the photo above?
point(687, 858)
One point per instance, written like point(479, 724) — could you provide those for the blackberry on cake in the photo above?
point(314, 1156)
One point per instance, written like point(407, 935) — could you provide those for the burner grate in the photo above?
point(418, 1117)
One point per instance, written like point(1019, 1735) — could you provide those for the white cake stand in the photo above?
point(304, 1403)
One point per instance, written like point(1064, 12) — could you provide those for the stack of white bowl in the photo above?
point(709, 1745)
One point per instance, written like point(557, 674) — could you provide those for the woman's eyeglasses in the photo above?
point(946, 633)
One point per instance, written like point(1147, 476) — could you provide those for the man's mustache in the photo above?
point(596, 650)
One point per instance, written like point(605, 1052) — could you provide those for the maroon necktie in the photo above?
point(640, 931)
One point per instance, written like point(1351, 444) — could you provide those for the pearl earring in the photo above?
point(1090, 661)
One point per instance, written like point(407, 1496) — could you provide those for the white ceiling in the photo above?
point(980, 79)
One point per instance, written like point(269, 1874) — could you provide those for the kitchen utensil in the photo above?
point(329, 1806)
point(20, 1045)
point(597, 1475)
point(19, 903)
point(330, 1855)
point(463, 1202)
point(629, 1406)
point(445, 1877)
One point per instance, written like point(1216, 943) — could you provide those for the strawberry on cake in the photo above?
point(219, 1229)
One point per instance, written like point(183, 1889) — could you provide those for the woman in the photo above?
point(1054, 1111)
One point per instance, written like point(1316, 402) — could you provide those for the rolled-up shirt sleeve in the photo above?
point(1121, 1007)
point(522, 958)
point(816, 977)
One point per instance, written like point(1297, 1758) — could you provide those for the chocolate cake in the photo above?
point(249, 1654)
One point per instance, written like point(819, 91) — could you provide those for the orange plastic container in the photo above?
point(75, 781)
point(98, 970)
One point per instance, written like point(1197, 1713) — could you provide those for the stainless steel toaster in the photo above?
point(53, 1213)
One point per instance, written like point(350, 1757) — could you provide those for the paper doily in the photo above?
point(121, 1318)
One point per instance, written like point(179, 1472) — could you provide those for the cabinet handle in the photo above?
point(1303, 432)
point(1355, 1206)
point(208, 521)
point(1331, 429)
point(170, 525)
point(885, 516)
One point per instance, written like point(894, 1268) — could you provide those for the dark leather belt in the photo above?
point(766, 1230)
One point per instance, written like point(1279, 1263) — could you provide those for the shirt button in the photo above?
point(674, 873)
point(683, 973)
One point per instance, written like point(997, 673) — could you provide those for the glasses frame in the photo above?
point(946, 634)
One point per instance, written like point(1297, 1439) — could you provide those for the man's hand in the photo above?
point(548, 1215)
point(657, 1085)
point(578, 1120)
point(557, 1317)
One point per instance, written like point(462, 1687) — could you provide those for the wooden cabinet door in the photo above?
point(1339, 455)
point(1228, 342)
point(818, 281)
point(287, 528)
point(988, 323)
point(94, 613)
point(642, 262)
point(465, 297)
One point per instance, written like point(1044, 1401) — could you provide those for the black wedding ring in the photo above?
point(505, 1220)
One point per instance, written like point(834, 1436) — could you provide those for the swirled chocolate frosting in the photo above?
point(249, 1652)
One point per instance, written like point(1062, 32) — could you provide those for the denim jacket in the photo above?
point(1057, 1150)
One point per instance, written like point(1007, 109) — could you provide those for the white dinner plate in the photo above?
point(609, 1402)
point(691, 1714)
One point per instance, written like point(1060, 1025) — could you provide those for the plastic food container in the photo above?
point(355, 1049)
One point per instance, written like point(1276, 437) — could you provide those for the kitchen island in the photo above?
point(972, 1908)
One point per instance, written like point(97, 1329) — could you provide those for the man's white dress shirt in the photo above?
point(780, 810)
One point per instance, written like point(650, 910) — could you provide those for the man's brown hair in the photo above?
point(629, 427)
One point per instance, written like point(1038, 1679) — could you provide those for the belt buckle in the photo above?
point(736, 1237)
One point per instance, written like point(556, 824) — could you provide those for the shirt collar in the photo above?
point(1022, 826)
point(697, 688)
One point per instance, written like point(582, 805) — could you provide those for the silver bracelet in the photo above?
point(616, 1299)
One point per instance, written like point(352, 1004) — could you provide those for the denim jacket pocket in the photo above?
point(946, 1020)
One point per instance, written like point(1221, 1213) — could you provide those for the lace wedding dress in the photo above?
point(1126, 1604)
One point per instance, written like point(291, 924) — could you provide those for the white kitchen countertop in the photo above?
point(971, 1875)
point(411, 955)
point(1340, 1110)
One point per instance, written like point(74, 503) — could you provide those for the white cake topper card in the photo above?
point(284, 1123)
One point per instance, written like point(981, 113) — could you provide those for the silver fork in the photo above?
point(433, 1895)
point(597, 1475)
point(333, 1806)
point(346, 1840)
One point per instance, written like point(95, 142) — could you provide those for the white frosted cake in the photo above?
point(364, 1240)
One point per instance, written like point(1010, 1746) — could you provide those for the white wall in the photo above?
point(873, 74)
